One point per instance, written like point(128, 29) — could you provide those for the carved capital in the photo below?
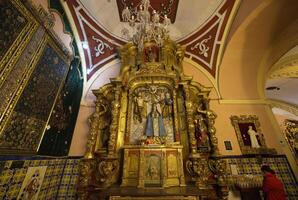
point(86, 169)
point(219, 168)
point(108, 170)
point(200, 171)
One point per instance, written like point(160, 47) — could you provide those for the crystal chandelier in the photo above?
point(145, 27)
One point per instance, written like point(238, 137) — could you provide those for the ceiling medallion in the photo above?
point(145, 27)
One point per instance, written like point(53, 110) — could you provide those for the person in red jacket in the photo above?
point(273, 188)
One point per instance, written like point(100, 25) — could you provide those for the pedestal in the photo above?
point(153, 166)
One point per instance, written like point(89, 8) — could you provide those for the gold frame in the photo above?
point(250, 119)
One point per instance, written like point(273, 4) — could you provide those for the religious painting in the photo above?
point(249, 134)
point(152, 169)
point(32, 183)
point(151, 115)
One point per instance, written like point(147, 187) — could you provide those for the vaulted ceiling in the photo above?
point(241, 46)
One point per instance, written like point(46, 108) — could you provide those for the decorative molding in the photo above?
point(286, 67)
point(284, 106)
point(88, 28)
point(203, 46)
point(100, 48)
point(243, 101)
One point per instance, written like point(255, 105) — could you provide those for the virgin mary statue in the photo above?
point(154, 124)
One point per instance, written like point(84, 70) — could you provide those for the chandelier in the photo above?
point(144, 26)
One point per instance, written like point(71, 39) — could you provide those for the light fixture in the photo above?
point(272, 88)
point(85, 45)
point(145, 27)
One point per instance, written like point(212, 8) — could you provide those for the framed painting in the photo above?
point(249, 135)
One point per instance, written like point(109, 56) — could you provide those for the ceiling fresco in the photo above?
point(200, 29)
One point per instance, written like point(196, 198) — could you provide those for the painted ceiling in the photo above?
point(198, 25)
point(222, 37)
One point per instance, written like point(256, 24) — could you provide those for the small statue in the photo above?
point(201, 132)
point(167, 110)
point(126, 14)
point(140, 107)
point(103, 123)
point(253, 137)
point(155, 125)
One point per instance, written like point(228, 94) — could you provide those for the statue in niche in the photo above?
point(209, 117)
point(201, 133)
point(155, 125)
point(151, 115)
point(253, 137)
point(151, 53)
point(167, 110)
point(103, 122)
point(140, 107)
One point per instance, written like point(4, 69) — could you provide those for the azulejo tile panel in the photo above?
point(249, 165)
point(59, 181)
point(61, 175)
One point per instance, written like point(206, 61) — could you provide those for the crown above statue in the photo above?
point(145, 27)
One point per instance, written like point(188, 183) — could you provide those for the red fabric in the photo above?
point(273, 188)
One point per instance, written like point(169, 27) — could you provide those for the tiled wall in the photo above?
point(249, 165)
point(59, 181)
point(61, 174)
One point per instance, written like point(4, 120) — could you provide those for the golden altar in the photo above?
point(152, 129)
point(153, 165)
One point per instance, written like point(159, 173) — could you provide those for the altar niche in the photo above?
point(152, 128)
point(151, 114)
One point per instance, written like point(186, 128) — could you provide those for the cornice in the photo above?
point(291, 108)
point(286, 67)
